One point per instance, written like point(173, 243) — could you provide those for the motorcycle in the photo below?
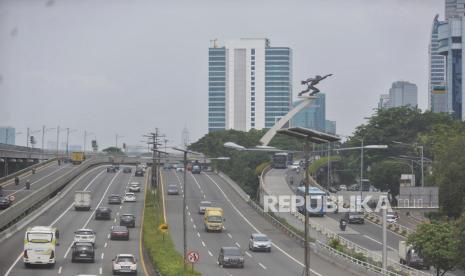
point(343, 225)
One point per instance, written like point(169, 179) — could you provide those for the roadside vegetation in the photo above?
point(159, 246)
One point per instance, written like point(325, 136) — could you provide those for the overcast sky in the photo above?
point(127, 66)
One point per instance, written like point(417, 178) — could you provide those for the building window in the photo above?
point(253, 119)
point(253, 67)
point(253, 83)
point(253, 104)
point(253, 113)
point(253, 57)
point(253, 98)
point(456, 39)
point(253, 88)
point(253, 62)
point(252, 51)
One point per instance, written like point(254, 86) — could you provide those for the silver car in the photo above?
point(259, 242)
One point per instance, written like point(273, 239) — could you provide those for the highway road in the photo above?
point(42, 176)
point(286, 257)
point(63, 216)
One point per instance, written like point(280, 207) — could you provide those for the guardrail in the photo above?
point(323, 248)
point(25, 170)
point(28, 203)
point(394, 226)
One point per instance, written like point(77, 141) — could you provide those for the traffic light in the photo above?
point(124, 146)
point(32, 140)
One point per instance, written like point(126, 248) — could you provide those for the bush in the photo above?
point(161, 249)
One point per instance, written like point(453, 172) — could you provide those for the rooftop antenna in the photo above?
point(214, 42)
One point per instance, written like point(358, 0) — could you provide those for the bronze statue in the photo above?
point(311, 82)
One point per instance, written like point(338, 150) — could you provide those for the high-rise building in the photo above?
point(403, 93)
point(384, 101)
point(7, 135)
point(437, 100)
point(450, 35)
point(330, 127)
point(454, 8)
point(313, 116)
point(249, 84)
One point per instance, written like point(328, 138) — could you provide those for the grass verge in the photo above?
point(161, 250)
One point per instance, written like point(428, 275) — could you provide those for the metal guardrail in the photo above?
point(26, 204)
point(298, 238)
point(25, 170)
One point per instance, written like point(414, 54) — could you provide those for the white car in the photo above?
point(295, 166)
point(134, 187)
point(124, 263)
point(84, 235)
point(179, 169)
point(259, 242)
point(391, 218)
point(129, 197)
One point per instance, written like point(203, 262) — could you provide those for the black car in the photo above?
point(111, 169)
point(114, 199)
point(354, 217)
point(127, 170)
point(230, 256)
point(83, 251)
point(4, 202)
point(116, 167)
point(127, 220)
point(139, 172)
point(103, 213)
point(119, 233)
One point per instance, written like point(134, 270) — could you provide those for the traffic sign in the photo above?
point(163, 227)
point(11, 198)
point(193, 257)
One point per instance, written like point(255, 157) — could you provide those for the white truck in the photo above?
point(409, 256)
point(39, 246)
point(82, 200)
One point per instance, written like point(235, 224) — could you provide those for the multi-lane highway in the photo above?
point(63, 216)
point(286, 257)
point(42, 176)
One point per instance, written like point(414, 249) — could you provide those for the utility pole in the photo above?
point(58, 138)
point(422, 171)
point(307, 184)
point(67, 142)
point(27, 138)
point(361, 172)
point(43, 138)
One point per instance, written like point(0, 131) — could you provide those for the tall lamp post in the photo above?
point(184, 222)
point(316, 137)
point(421, 147)
point(68, 131)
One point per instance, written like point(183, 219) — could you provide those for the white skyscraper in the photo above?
point(403, 93)
point(250, 84)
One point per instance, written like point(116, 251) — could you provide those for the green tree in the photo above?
point(460, 228)
point(113, 150)
point(385, 175)
point(437, 244)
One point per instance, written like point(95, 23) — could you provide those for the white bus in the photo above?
point(39, 245)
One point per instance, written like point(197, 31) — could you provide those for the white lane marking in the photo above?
point(229, 235)
point(38, 180)
point(108, 236)
point(121, 206)
point(187, 207)
point(238, 245)
point(59, 270)
point(106, 244)
point(204, 196)
point(260, 264)
point(198, 234)
point(114, 220)
point(209, 253)
point(255, 228)
point(189, 213)
point(248, 254)
point(100, 270)
point(93, 212)
point(192, 220)
point(198, 185)
point(117, 213)
point(370, 238)
point(203, 243)
point(195, 227)
point(59, 217)
point(103, 254)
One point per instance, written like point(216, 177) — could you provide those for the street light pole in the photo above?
point(422, 171)
point(307, 184)
point(361, 171)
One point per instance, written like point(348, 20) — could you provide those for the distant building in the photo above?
point(8, 135)
point(384, 101)
point(330, 127)
point(249, 84)
point(454, 8)
point(437, 101)
point(74, 148)
point(313, 116)
point(403, 93)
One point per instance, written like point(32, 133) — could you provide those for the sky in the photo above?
point(126, 67)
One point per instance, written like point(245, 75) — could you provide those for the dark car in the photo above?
point(114, 199)
point(103, 213)
point(83, 251)
point(128, 220)
point(173, 190)
point(111, 169)
point(231, 256)
point(354, 217)
point(127, 170)
point(119, 233)
point(4, 202)
point(116, 167)
point(139, 172)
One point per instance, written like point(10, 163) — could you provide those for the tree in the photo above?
point(113, 150)
point(385, 175)
point(460, 228)
point(437, 244)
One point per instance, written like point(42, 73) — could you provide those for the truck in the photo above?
point(39, 246)
point(82, 200)
point(410, 257)
point(214, 219)
point(77, 157)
